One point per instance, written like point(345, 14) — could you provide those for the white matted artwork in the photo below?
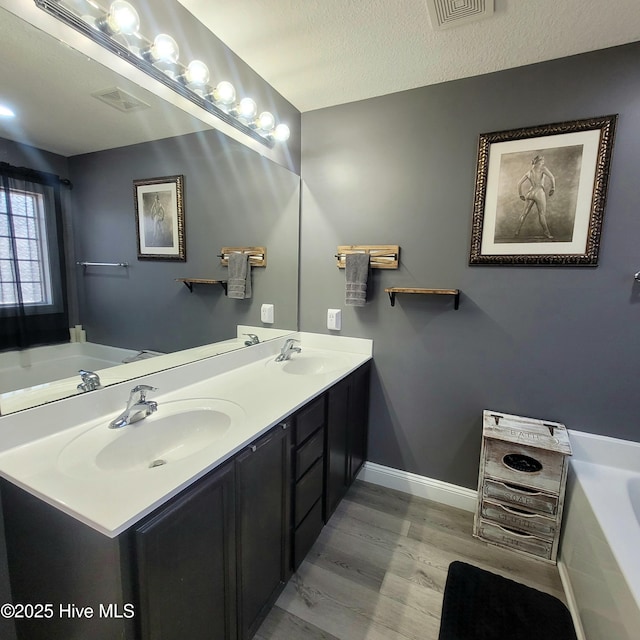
point(540, 194)
point(159, 204)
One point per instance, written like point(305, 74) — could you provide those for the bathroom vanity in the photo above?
point(210, 560)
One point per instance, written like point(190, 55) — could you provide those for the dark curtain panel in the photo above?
point(33, 289)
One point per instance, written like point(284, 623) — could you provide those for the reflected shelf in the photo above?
point(189, 282)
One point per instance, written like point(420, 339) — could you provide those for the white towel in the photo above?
point(239, 282)
point(356, 273)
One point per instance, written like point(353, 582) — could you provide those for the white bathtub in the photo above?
point(600, 548)
point(51, 372)
point(40, 365)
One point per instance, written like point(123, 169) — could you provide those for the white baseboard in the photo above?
point(420, 486)
point(572, 605)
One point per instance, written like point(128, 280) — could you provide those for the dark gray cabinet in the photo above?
point(308, 426)
point(346, 435)
point(186, 564)
point(263, 513)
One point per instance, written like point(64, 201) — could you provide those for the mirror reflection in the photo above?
point(233, 197)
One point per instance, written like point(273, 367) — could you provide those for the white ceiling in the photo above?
point(318, 53)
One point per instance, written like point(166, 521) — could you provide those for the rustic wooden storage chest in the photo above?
point(521, 484)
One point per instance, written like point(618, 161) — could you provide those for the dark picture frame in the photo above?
point(159, 205)
point(540, 193)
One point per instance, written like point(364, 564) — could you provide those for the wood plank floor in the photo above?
point(378, 570)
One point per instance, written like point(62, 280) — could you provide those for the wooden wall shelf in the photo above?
point(189, 282)
point(441, 292)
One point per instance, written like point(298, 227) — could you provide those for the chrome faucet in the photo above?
point(253, 339)
point(90, 381)
point(138, 407)
point(288, 349)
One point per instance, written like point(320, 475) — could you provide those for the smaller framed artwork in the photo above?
point(159, 204)
point(540, 194)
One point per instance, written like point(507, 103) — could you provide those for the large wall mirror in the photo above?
point(100, 131)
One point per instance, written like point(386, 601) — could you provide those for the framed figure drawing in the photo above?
point(159, 206)
point(540, 194)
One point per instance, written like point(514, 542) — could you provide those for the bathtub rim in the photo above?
point(598, 464)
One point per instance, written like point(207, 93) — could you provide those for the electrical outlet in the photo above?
point(334, 319)
point(267, 313)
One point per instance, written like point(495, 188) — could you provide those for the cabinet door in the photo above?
point(336, 449)
point(263, 513)
point(186, 565)
point(358, 421)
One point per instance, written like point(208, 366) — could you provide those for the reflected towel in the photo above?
point(356, 272)
point(239, 282)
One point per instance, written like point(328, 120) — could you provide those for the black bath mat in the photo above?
point(479, 605)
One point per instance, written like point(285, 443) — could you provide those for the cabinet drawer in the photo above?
point(514, 518)
point(524, 465)
point(309, 419)
point(521, 497)
point(309, 452)
point(308, 489)
point(515, 540)
point(307, 533)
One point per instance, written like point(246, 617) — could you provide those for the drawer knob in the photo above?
point(520, 462)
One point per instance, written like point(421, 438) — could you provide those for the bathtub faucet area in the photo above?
point(138, 407)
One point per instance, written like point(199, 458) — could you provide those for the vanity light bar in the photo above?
point(136, 56)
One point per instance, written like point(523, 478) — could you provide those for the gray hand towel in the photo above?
point(239, 282)
point(356, 272)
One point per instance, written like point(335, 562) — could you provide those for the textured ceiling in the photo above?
point(326, 52)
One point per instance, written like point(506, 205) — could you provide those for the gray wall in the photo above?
point(559, 343)
point(232, 197)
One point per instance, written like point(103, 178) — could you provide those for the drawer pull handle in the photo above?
point(519, 512)
point(522, 490)
point(513, 532)
point(522, 463)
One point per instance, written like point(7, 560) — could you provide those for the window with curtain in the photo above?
point(33, 300)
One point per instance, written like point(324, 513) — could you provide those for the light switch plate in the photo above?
point(267, 313)
point(334, 319)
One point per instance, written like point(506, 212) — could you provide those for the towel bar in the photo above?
point(103, 264)
point(381, 256)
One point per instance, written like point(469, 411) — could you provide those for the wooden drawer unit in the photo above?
point(521, 484)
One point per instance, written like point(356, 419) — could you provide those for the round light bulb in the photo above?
point(122, 18)
point(281, 133)
point(224, 93)
point(165, 49)
point(266, 121)
point(197, 73)
point(247, 108)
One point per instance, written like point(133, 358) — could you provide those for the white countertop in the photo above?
point(111, 501)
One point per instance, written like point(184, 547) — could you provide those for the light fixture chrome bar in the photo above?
point(54, 8)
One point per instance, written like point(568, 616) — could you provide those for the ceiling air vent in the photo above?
point(120, 99)
point(446, 14)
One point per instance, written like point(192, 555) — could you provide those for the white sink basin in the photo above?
point(178, 430)
point(309, 363)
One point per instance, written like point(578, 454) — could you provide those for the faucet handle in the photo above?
point(253, 339)
point(142, 390)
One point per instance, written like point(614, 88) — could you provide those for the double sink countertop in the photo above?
point(65, 454)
